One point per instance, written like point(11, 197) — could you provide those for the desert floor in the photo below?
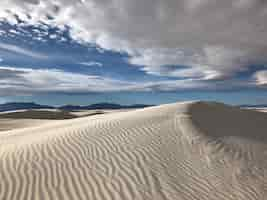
point(183, 151)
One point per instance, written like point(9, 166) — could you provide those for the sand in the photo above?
point(38, 114)
point(12, 124)
point(259, 109)
point(183, 151)
point(18, 119)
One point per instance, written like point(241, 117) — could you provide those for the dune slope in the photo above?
point(11, 124)
point(191, 151)
point(38, 114)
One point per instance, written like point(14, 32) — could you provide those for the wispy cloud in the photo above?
point(91, 63)
point(22, 51)
point(28, 80)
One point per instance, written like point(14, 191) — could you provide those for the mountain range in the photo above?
point(253, 106)
point(31, 105)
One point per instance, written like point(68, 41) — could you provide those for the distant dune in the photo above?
point(183, 151)
point(38, 114)
point(12, 124)
point(11, 120)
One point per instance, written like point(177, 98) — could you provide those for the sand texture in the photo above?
point(48, 114)
point(183, 151)
point(12, 124)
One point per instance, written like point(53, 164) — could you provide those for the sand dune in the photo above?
point(17, 119)
point(38, 114)
point(12, 124)
point(184, 151)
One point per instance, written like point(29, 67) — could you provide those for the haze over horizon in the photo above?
point(133, 52)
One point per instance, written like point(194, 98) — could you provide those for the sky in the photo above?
point(59, 52)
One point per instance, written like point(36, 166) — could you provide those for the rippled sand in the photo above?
point(184, 151)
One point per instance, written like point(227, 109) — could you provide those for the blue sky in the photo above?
point(82, 52)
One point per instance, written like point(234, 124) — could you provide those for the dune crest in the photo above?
point(188, 151)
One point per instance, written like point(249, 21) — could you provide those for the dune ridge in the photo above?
point(191, 151)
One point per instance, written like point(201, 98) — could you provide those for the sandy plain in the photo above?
point(183, 151)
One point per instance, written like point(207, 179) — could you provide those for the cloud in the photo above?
point(202, 39)
point(196, 84)
point(53, 36)
point(28, 80)
point(261, 78)
point(17, 81)
point(212, 62)
point(2, 32)
point(92, 63)
point(23, 51)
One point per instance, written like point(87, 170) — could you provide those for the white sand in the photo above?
point(12, 124)
point(183, 151)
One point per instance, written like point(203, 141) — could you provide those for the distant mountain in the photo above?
point(70, 107)
point(22, 106)
point(103, 106)
point(254, 106)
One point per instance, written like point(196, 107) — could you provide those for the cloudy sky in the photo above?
point(125, 51)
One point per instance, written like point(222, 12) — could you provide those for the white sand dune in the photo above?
point(183, 151)
point(11, 124)
point(18, 119)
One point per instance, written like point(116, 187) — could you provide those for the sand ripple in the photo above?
point(187, 151)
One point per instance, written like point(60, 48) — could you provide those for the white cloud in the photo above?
point(13, 31)
point(2, 33)
point(211, 62)
point(215, 39)
point(23, 51)
point(53, 36)
point(14, 81)
point(261, 78)
point(28, 80)
point(92, 63)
